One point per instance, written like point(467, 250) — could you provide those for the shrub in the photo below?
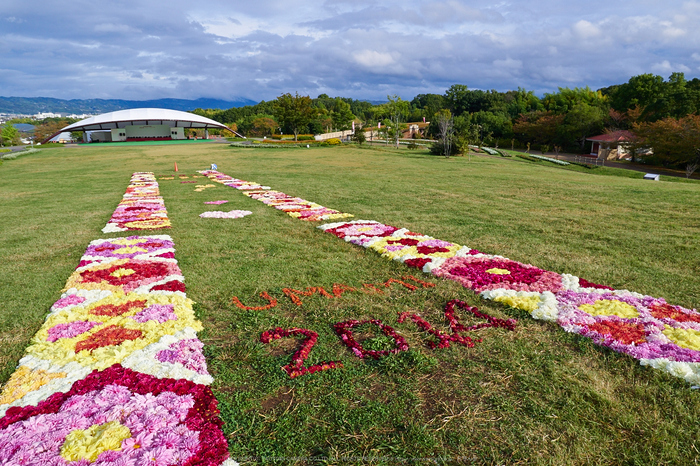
point(412, 146)
point(437, 148)
point(332, 141)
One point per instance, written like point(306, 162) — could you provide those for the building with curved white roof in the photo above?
point(142, 124)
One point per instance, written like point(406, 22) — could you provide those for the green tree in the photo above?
point(457, 97)
point(566, 99)
point(498, 124)
point(49, 127)
point(359, 135)
point(445, 123)
point(263, 126)
point(645, 91)
point(10, 135)
point(294, 111)
point(341, 115)
point(392, 115)
point(397, 110)
point(538, 127)
point(430, 104)
point(581, 122)
point(521, 101)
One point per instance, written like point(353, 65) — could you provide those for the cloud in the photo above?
point(586, 30)
point(371, 58)
point(666, 68)
point(110, 27)
point(360, 49)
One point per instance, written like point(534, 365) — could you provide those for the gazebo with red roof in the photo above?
point(605, 143)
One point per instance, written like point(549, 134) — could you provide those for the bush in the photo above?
point(332, 141)
point(412, 146)
point(359, 137)
point(437, 148)
point(290, 137)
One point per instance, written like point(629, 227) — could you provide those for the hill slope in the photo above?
point(32, 105)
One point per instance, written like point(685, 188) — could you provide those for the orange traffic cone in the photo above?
point(175, 166)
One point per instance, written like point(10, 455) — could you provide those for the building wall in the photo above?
point(177, 133)
point(119, 134)
point(336, 134)
point(101, 136)
point(149, 131)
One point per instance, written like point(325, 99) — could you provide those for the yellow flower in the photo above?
point(497, 271)
point(148, 224)
point(119, 273)
point(129, 250)
point(526, 303)
point(62, 351)
point(382, 244)
point(128, 242)
point(684, 338)
point(24, 380)
point(610, 307)
point(88, 444)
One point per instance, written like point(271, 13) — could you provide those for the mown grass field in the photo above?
point(535, 395)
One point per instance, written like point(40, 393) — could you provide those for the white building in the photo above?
point(142, 124)
point(41, 116)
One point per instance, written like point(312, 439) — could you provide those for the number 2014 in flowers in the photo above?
point(345, 331)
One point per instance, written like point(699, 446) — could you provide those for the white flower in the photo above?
point(434, 264)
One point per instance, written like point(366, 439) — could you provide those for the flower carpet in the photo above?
point(656, 333)
point(229, 214)
point(141, 207)
point(296, 207)
point(116, 374)
point(231, 181)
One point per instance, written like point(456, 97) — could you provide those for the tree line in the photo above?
point(662, 114)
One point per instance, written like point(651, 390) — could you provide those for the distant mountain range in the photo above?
point(34, 105)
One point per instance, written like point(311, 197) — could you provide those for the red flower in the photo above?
point(418, 263)
point(430, 249)
point(621, 331)
point(111, 335)
point(114, 310)
point(343, 329)
point(404, 241)
point(296, 367)
point(202, 417)
point(172, 285)
point(665, 310)
point(586, 284)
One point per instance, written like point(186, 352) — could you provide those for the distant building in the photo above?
point(141, 124)
point(611, 146)
point(416, 130)
point(42, 116)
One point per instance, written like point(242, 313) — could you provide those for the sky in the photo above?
point(260, 49)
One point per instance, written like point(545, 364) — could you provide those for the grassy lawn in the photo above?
point(535, 395)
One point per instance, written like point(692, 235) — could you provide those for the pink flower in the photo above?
point(70, 300)
point(70, 329)
point(158, 312)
